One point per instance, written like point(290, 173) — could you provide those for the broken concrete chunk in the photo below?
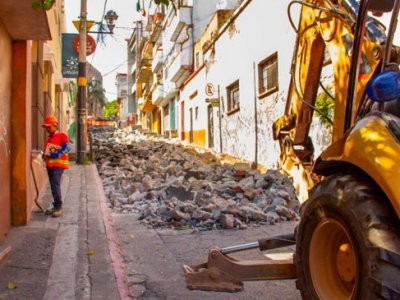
point(227, 221)
point(166, 184)
point(201, 215)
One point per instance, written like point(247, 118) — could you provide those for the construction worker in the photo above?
point(56, 158)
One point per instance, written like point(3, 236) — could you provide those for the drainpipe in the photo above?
point(191, 67)
point(220, 121)
point(255, 117)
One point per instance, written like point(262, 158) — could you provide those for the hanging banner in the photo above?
point(90, 45)
point(69, 56)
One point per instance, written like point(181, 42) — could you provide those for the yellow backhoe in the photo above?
point(348, 239)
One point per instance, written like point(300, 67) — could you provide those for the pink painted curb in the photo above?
point(124, 290)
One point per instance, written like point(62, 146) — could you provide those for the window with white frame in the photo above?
point(233, 97)
point(268, 75)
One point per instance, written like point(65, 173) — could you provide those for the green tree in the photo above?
point(110, 110)
point(96, 96)
point(325, 104)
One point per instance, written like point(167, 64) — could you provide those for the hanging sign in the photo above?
point(69, 56)
point(90, 45)
point(210, 89)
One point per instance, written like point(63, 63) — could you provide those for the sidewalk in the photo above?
point(73, 257)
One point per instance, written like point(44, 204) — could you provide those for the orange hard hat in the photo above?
point(50, 120)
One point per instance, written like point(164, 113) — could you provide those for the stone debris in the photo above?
point(166, 184)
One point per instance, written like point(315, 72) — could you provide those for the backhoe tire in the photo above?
point(348, 242)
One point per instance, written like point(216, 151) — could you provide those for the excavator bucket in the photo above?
point(223, 273)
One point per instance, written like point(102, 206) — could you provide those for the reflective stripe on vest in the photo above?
point(60, 162)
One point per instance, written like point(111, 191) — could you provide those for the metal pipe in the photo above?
point(220, 121)
point(392, 30)
point(242, 247)
point(355, 58)
point(389, 42)
point(255, 116)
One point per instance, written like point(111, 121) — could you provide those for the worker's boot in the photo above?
point(49, 211)
point(57, 213)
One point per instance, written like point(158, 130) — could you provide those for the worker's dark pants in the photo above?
point(55, 184)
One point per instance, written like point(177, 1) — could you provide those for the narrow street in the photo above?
point(154, 257)
point(199, 149)
point(161, 233)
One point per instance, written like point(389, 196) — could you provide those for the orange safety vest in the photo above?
point(54, 143)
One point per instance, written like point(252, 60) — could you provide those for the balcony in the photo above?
point(157, 61)
point(183, 17)
point(145, 72)
point(23, 22)
point(148, 106)
point(132, 69)
point(147, 51)
point(134, 88)
point(158, 95)
point(156, 28)
point(180, 68)
point(149, 22)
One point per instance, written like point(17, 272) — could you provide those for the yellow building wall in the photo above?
point(199, 137)
point(53, 48)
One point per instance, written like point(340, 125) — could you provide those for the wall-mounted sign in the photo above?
point(90, 45)
point(213, 101)
point(210, 89)
point(69, 56)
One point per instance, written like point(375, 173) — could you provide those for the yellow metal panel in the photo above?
point(371, 147)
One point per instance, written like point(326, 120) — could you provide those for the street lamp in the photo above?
point(110, 17)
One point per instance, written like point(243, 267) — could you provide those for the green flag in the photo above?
point(137, 6)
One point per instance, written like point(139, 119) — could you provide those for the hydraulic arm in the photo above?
point(325, 35)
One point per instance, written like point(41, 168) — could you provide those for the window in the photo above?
point(232, 92)
point(196, 112)
point(197, 60)
point(268, 75)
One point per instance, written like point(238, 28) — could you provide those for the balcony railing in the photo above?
point(158, 95)
point(145, 72)
point(183, 17)
point(180, 68)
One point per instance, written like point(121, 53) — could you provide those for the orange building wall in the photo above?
point(21, 116)
point(5, 131)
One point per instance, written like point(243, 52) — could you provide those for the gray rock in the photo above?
point(227, 221)
point(285, 212)
point(201, 215)
point(179, 192)
point(247, 183)
point(279, 201)
point(272, 217)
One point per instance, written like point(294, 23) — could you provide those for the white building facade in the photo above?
point(121, 83)
point(245, 66)
point(220, 72)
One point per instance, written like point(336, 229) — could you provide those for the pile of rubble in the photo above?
point(167, 184)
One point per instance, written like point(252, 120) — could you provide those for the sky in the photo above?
point(110, 58)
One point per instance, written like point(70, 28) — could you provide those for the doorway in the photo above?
point(183, 120)
point(191, 125)
point(210, 118)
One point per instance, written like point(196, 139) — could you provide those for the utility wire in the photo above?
point(109, 72)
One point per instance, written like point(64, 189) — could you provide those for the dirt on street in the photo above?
point(170, 204)
point(154, 259)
